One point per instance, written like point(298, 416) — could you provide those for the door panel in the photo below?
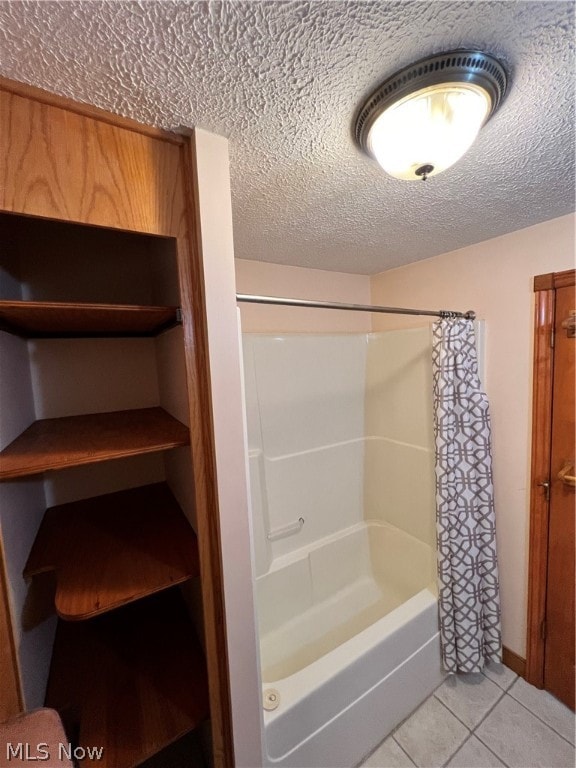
point(559, 676)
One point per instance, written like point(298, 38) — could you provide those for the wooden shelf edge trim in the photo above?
point(34, 93)
point(142, 535)
point(76, 617)
point(39, 319)
point(63, 464)
point(52, 444)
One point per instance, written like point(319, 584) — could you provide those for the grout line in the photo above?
point(492, 708)
point(408, 717)
point(453, 755)
point(453, 713)
point(473, 730)
point(460, 721)
point(490, 750)
point(401, 723)
point(498, 684)
point(542, 721)
point(403, 750)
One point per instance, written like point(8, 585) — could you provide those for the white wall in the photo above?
point(258, 277)
point(217, 254)
point(22, 506)
point(495, 279)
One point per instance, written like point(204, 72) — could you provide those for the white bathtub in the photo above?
point(349, 640)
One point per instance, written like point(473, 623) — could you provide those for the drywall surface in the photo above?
point(495, 279)
point(217, 249)
point(22, 506)
point(263, 279)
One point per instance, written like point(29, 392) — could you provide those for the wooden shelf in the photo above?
point(40, 319)
point(110, 550)
point(132, 681)
point(52, 444)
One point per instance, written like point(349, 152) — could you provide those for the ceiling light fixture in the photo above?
point(422, 120)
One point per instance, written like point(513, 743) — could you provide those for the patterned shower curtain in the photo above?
point(469, 602)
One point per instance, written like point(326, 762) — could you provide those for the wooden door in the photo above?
point(550, 648)
point(559, 627)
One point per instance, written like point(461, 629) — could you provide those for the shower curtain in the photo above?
point(469, 603)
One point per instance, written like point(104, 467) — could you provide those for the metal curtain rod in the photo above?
point(251, 299)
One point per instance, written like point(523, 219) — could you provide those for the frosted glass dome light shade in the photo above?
point(426, 117)
point(432, 128)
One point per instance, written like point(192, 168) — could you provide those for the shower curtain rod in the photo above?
point(252, 299)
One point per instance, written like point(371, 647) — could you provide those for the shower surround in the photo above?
point(340, 437)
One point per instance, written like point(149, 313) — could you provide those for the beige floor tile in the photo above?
point(520, 739)
point(546, 707)
point(469, 697)
point(473, 754)
point(431, 735)
point(388, 755)
point(499, 674)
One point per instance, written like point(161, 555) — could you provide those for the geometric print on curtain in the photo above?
point(469, 600)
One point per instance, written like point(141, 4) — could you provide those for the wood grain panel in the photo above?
point(142, 536)
point(514, 662)
point(51, 444)
point(10, 693)
point(545, 287)
point(554, 280)
point(564, 279)
point(86, 110)
point(58, 164)
point(544, 282)
point(40, 319)
point(131, 681)
point(559, 662)
point(74, 163)
point(540, 473)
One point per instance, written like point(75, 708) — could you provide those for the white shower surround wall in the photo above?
point(306, 430)
point(340, 434)
point(337, 437)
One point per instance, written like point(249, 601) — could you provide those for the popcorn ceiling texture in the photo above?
point(283, 80)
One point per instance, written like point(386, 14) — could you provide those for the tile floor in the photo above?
point(481, 721)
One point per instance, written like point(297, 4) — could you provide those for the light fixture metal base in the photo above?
point(460, 66)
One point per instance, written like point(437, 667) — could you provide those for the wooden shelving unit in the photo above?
point(41, 319)
point(107, 245)
point(71, 441)
point(131, 681)
point(113, 549)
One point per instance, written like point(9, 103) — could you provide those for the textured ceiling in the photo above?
point(283, 81)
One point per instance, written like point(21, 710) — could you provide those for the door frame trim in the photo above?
point(543, 370)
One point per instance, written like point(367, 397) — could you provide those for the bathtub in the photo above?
point(349, 644)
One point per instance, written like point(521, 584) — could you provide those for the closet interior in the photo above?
point(97, 489)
